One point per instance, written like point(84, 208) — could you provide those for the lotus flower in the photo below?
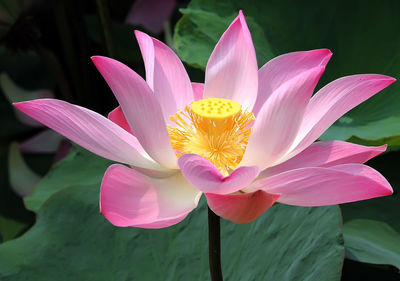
point(245, 138)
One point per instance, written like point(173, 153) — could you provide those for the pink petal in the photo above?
point(141, 109)
point(46, 141)
point(285, 67)
point(326, 186)
point(88, 129)
point(198, 89)
point(118, 117)
point(277, 123)
point(334, 100)
point(202, 174)
point(231, 71)
point(129, 198)
point(165, 75)
point(327, 154)
point(241, 208)
point(152, 14)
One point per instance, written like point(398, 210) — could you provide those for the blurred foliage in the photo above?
point(48, 44)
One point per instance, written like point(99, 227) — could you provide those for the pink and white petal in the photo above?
point(327, 154)
point(118, 117)
point(165, 75)
point(283, 68)
point(326, 186)
point(231, 71)
point(46, 141)
point(334, 100)
point(141, 109)
point(198, 89)
point(88, 129)
point(129, 198)
point(241, 208)
point(279, 120)
point(202, 174)
point(162, 222)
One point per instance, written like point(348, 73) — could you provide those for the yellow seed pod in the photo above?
point(215, 108)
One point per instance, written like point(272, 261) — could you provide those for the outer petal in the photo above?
point(231, 71)
point(285, 67)
point(140, 108)
point(327, 154)
point(198, 89)
point(278, 121)
point(118, 117)
point(334, 100)
point(88, 129)
point(128, 198)
point(241, 208)
point(165, 75)
point(205, 176)
point(326, 186)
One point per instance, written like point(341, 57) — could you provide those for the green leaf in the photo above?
point(72, 241)
point(372, 242)
point(361, 42)
point(80, 167)
point(10, 228)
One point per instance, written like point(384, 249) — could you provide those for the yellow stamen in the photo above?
point(216, 129)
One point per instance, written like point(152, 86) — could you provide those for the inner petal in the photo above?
point(214, 128)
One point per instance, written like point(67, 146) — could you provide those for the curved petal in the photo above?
point(327, 154)
point(198, 89)
point(88, 129)
point(118, 117)
point(129, 198)
point(326, 186)
point(285, 67)
point(241, 208)
point(231, 71)
point(140, 108)
point(278, 121)
point(202, 174)
point(334, 100)
point(165, 75)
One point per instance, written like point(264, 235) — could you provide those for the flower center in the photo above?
point(214, 128)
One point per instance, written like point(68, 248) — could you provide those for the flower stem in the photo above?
point(214, 246)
